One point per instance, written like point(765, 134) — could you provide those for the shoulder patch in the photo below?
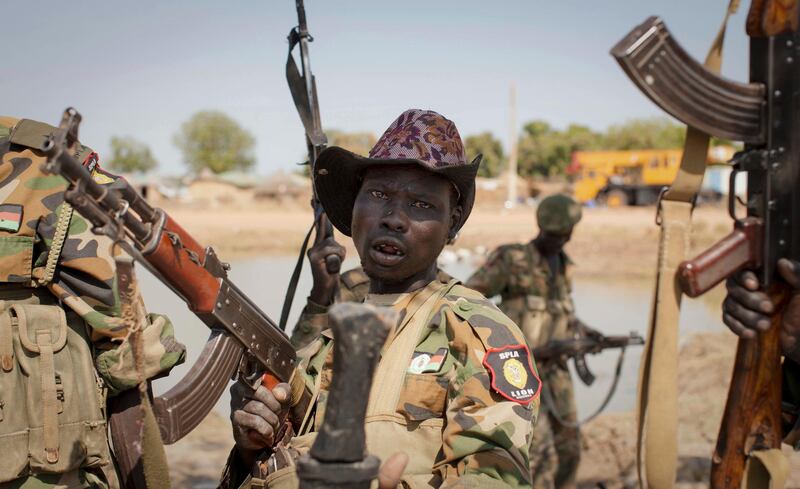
point(10, 217)
point(355, 277)
point(512, 374)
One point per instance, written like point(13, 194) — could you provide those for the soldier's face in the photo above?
point(402, 218)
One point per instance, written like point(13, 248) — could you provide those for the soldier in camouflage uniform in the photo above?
point(747, 310)
point(63, 346)
point(533, 282)
point(456, 388)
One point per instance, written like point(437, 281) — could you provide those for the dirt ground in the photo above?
point(628, 234)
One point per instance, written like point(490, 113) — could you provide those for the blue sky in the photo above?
point(142, 68)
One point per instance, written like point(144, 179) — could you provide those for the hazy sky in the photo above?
point(142, 68)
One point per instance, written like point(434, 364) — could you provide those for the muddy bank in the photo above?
point(608, 442)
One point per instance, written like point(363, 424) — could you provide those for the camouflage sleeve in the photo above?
point(313, 320)
point(791, 397)
point(491, 278)
point(86, 282)
point(486, 435)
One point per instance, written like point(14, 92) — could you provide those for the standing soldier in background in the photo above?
point(64, 347)
point(533, 282)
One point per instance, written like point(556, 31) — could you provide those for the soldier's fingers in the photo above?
point(245, 421)
point(260, 409)
point(326, 248)
point(392, 470)
point(266, 397)
point(753, 300)
point(282, 393)
point(790, 271)
point(738, 328)
point(747, 279)
point(240, 394)
point(749, 318)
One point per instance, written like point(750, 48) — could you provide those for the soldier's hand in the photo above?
point(325, 283)
point(255, 416)
point(748, 310)
point(392, 470)
point(790, 328)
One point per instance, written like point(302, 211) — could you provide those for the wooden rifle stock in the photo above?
point(752, 416)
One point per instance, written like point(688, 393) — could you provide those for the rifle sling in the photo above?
point(657, 406)
point(290, 291)
point(547, 397)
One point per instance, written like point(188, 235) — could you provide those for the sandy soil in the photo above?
point(629, 234)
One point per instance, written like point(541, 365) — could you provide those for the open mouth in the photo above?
point(387, 252)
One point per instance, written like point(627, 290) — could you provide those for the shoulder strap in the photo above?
point(657, 406)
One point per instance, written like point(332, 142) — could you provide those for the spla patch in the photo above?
point(10, 217)
point(512, 373)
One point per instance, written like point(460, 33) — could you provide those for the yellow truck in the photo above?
point(631, 177)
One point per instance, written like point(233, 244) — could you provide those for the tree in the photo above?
point(492, 150)
point(545, 151)
point(130, 156)
point(652, 133)
point(212, 140)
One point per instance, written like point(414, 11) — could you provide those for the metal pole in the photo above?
point(511, 199)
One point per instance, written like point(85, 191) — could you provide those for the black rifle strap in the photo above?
point(299, 94)
point(549, 402)
point(290, 291)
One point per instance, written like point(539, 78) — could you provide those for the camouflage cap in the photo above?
point(558, 214)
point(416, 137)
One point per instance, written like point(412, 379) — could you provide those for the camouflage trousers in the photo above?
point(555, 449)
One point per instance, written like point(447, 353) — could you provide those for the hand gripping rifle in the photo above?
point(585, 342)
point(243, 340)
point(304, 93)
point(765, 115)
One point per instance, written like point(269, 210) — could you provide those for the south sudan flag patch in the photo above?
point(512, 373)
point(10, 217)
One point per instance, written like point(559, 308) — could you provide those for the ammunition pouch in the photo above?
point(51, 401)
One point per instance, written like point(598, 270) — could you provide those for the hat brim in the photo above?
point(336, 181)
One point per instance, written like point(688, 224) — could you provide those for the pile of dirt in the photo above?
point(609, 442)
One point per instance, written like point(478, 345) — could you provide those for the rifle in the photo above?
point(765, 115)
point(303, 87)
point(577, 348)
point(244, 341)
point(586, 341)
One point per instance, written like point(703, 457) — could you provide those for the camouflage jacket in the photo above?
point(465, 402)
point(353, 287)
point(534, 297)
point(84, 279)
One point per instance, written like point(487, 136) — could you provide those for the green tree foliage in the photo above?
point(358, 142)
point(212, 140)
point(130, 156)
point(545, 151)
point(492, 150)
point(653, 133)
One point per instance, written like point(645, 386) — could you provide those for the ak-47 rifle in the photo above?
point(586, 341)
point(303, 86)
point(765, 115)
point(577, 348)
point(243, 340)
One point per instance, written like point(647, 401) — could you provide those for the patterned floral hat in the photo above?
point(417, 137)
